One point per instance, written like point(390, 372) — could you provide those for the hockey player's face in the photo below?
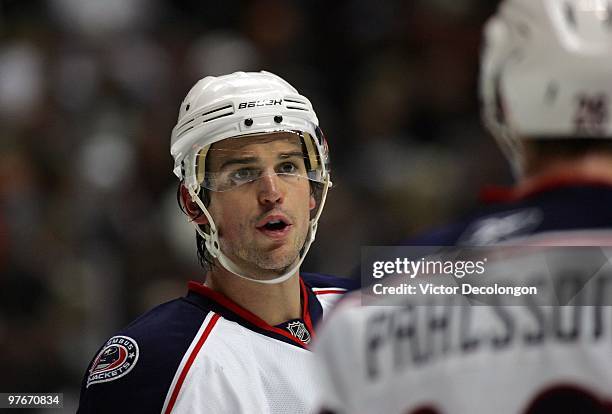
point(263, 220)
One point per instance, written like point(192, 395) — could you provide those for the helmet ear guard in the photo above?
point(498, 53)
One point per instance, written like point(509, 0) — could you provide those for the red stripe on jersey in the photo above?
point(305, 311)
point(326, 291)
point(189, 362)
point(243, 313)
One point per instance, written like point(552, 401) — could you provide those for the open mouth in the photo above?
point(274, 226)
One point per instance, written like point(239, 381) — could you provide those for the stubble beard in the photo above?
point(263, 263)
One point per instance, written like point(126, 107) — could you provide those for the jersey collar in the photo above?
point(207, 298)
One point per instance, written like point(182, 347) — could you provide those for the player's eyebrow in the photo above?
point(238, 161)
point(291, 154)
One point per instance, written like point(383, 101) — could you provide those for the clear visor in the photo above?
point(234, 162)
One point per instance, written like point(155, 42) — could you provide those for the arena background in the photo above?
point(90, 231)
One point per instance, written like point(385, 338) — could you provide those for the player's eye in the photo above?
point(243, 175)
point(287, 168)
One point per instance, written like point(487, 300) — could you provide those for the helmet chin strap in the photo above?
point(510, 145)
point(214, 247)
point(515, 153)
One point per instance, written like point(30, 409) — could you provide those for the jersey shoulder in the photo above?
point(133, 370)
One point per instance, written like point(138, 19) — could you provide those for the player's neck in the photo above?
point(594, 167)
point(274, 303)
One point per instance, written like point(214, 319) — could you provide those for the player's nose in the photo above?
point(269, 190)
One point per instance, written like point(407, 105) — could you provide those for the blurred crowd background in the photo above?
point(90, 231)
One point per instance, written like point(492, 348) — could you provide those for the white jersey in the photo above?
point(482, 359)
point(379, 359)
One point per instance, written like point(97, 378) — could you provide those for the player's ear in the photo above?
point(191, 208)
point(313, 203)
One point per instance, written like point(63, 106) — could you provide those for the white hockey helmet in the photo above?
point(546, 72)
point(244, 104)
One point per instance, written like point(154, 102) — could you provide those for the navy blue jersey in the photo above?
point(178, 357)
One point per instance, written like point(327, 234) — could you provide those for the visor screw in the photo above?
point(278, 119)
point(248, 122)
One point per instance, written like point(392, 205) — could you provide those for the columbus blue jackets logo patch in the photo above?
point(118, 356)
point(298, 330)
